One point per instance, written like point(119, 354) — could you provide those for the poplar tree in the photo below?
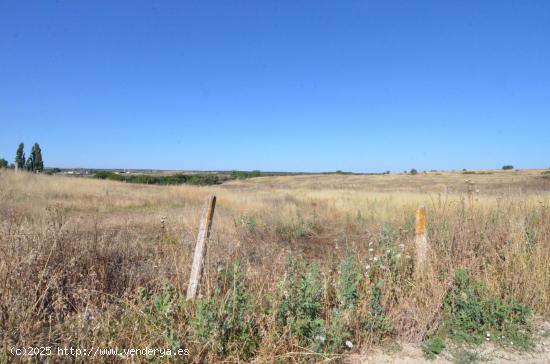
point(37, 162)
point(20, 156)
point(29, 165)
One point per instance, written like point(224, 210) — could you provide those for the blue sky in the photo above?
point(277, 85)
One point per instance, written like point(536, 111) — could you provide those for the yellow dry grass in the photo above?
point(71, 243)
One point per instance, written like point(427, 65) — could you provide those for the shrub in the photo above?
point(175, 179)
point(376, 324)
point(413, 171)
point(345, 312)
point(245, 174)
point(432, 347)
point(507, 167)
point(304, 302)
point(300, 295)
point(472, 316)
point(52, 171)
point(109, 175)
point(348, 283)
point(477, 172)
point(160, 311)
point(224, 322)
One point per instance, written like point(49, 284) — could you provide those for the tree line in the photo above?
point(32, 163)
point(175, 179)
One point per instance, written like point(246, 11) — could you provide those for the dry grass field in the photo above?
point(298, 268)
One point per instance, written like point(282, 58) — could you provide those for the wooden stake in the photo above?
point(421, 240)
point(200, 248)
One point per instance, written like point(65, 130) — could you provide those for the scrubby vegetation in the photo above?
point(175, 179)
point(476, 172)
point(300, 272)
point(472, 316)
point(183, 178)
point(433, 346)
point(246, 174)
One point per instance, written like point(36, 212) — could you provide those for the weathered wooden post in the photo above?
point(200, 247)
point(421, 240)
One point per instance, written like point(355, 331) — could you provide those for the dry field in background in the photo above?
point(75, 252)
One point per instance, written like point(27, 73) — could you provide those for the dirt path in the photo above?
point(411, 354)
point(488, 353)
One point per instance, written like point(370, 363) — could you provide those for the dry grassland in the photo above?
point(92, 263)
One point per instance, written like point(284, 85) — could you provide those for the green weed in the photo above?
point(225, 321)
point(433, 347)
point(472, 316)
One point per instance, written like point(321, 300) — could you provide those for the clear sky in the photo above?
point(277, 85)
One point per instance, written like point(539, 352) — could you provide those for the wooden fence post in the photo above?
point(200, 247)
point(421, 240)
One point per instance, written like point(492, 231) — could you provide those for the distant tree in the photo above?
point(29, 164)
point(3, 163)
point(52, 170)
point(413, 171)
point(508, 166)
point(20, 156)
point(36, 155)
